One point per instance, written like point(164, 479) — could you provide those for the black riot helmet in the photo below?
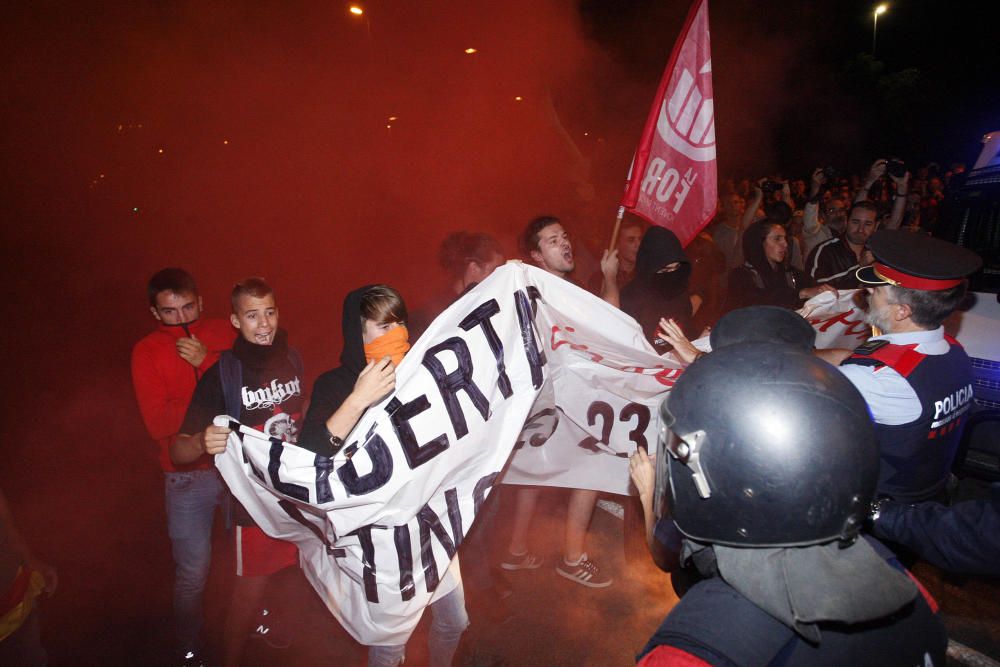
point(767, 447)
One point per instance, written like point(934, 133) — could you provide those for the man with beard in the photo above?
point(259, 383)
point(917, 381)
point(836, 260)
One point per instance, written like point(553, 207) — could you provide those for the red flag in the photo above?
point(673, 181)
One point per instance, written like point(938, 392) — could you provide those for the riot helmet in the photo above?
point(767, 446)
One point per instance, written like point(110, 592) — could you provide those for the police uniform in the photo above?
point(918, 384)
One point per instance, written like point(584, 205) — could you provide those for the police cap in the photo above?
point(915, 261)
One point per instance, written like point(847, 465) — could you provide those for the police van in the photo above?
point(971, 218)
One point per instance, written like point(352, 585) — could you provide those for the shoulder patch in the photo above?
point(870, 347)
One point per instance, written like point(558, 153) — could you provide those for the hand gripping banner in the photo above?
point(378, 525)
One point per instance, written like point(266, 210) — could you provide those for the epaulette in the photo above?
point(866, 348)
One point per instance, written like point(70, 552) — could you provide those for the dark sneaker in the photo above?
point(268, 631)
point(525, 561)
point(585, 573)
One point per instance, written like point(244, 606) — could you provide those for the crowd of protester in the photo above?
point(774, 244)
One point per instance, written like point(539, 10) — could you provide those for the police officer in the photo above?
point(768, 467)
point(916, 380)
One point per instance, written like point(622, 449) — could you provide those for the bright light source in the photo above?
point(881, 9)
point(225, 142)
point(388, 127)
point(391, 118)
point(159, 150)
point(470, 50)
point(518, 98)
point(357, 11)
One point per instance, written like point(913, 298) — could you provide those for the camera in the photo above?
point(829, 173)
point(768, 187)
point(895, 168)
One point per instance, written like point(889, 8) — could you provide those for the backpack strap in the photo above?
point(295, 359)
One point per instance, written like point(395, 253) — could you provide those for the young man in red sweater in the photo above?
point(166, 365)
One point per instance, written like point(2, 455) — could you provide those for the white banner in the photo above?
point(839, 320)
point(378, 524)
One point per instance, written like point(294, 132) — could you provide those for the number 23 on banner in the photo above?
point(634, 415)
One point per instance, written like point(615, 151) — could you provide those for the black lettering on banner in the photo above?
point(296, 514)
point(607, 414)
point(429, 522)
point(256, 473)
point(404, 555)
point(526, 320)
point(400, 415)
point(479, 492)
point(381, 459)
point(638, 434)
point(535, 426)
point(481, 317)
point(535, 297)
point(449, 384)
point(273, 464)
point(324, 466)
point(367, 562)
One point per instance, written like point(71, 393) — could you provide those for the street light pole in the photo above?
point(878, 10)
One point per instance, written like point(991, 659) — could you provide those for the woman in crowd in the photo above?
point(766, 278)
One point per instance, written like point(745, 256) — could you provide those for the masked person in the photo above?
point(660, 287)
point(767, 471)
point(375, 341)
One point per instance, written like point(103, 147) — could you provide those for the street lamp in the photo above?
point(878, 10)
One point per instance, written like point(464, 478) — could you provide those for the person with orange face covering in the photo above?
point(375, 341)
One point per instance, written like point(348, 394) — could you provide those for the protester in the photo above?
point(769, 520)
point(166, 365)
point(728, 230)
point(259, 383)
point(23, 578)
point(375, 341)
point(629, 237)
point(963, 538)
point(898, 177)
point(708, 280)
point(766, 278)
point(660, 286)
point(835, 261)
point(548, 245)
point(469, 258)
point(916, 380)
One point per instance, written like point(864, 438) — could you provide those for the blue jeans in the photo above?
point(191, 499)
point(447, 625)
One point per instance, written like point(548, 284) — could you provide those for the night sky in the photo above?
point(239, 139)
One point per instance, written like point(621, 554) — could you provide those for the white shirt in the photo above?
point(890, 397)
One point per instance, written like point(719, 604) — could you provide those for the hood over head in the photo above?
point(659, 247)
point(353, 355)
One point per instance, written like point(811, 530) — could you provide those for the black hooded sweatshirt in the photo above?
point(757, 283)
point(653, 295)
point(333, 387)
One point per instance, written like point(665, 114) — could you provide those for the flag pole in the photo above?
point(618, 224)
